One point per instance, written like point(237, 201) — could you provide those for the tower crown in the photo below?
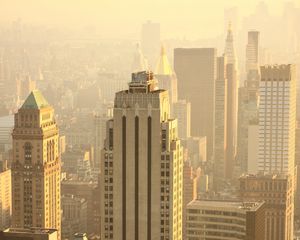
point(163, 66)
point(142, 82)
point(35, 100)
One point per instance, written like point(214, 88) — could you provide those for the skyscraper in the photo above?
point(182, 112)
point(232, 102)
point(5, 198)
point(166, 78)
point(220, 144)
point(213, 219)
point(252, 51)
point(36, 166)
point(196, 73)
point(142, 166)
point(277, 192)
point(248, 100)
point(277, 119)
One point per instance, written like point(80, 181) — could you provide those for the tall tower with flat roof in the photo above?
point(142, 166)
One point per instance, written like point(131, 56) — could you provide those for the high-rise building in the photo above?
point(5, 198)
point(36, 166)
point(277, 119)
point(196, 70)
point(29, 234)
point(277, 193)
point(297, 162)
point(188, 192)
point(6, 126)
point(182, 112)
point(142, 167)
point(252, 48)
point(232, 103)
point(220, 144)
point(248, 100)
point(100, 129)
point(253, 147)
point(166, 78)
point(213, 219)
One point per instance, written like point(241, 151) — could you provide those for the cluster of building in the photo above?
point(200, 149)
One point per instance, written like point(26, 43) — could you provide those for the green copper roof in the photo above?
point(35, 100)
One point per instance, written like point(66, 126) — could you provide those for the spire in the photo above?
point(163, 66)
point(139, 62)
point(35, 100)
point(229, 46)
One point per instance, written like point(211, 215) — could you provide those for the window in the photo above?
point(27, 152)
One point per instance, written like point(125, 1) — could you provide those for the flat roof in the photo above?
point(31, 230)
point(247, 206)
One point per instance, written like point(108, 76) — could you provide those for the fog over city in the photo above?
point(149, 120)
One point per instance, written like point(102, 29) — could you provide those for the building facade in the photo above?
point(182, 112)
point(29, 234)
point(277, 119)
point(142, 166)
point(5, 198)
point(211, 219)
point(220, 143)
point(277, 193)
point(232, 102)
point(196, 70)
point(252, 51)
point(36, 166)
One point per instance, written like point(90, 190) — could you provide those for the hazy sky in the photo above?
point(123, 18)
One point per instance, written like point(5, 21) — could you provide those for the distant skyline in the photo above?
point(192, 19)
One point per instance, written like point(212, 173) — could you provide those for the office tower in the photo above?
point(277, 192)
point(150, 41)
point(252, 51)
point(100, 128)
point(277, 119)
point(197, 150)
point(182, 112)
point(36, 166)
point(29, 233)
point(247, 117)
point(74, 216)
point(6, 126)
point(297, 162)
point(213, 219)
point(141, 182)
point(139, 62)
point(188, 192)
point(196, 73)
point(5, 198)
point(220, 144)
point(232, 102)
point(166, 78)
point(248, 100)
point(253, 147)
point(229, 50)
